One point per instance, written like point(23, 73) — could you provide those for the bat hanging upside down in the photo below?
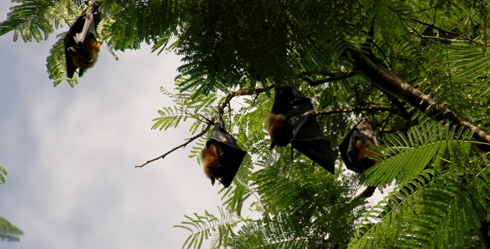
point(292, 120)
point(354, 149)
point(80, 43)
point(221, 157)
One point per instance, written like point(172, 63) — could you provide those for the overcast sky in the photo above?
point(70, 153)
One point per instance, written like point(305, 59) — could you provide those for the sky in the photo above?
point(70, 153)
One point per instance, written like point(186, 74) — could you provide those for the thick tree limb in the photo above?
point(390, 83)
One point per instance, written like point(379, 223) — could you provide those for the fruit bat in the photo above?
point(292, 120)
point(221, 156)
point(354, 148)
point(80, 42)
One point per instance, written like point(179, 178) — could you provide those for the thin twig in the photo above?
point(373, 108)
point(331, 76)
point(189, 140)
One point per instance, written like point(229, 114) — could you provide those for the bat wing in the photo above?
point(309, 140)
point(88, 28)
point(70, 42)
point(348, 150)
point(290, 101)
point(230, 155)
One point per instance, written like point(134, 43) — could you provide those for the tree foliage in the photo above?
point(8, 232)
point(417, 69)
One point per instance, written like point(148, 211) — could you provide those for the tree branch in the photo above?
point(331, 76)
point(368, 192)
point(189, 140)
point(435, 27)
point(387, 81)
point(371, 108)
point(447, 32)
point(221, 106)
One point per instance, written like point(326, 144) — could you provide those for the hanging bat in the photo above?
point(292, 120)
point(221, 156)
point(354, 148)
point(80, 42)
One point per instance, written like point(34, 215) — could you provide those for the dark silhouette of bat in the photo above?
point(354, 148)
point(292, 120)
point(80, 42)
point(221, 156)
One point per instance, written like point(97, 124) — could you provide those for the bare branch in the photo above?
point(447, 32)
point(435, 27)
point(189, 140)
point(331, 76)
point(372, 108)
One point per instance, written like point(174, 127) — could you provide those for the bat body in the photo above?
point(354, 149)
point(80, 43)
point(294, 118)
point(362, 151)
point(211, 164)
point(221, 156)
point(280, 130)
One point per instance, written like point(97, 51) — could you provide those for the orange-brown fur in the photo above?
point(211, 163)
point(280, 130)
point(86, 56)
point(362, 151)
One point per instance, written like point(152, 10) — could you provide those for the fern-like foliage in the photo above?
point(9, 232)
point(271, 232)
point(36, 19)
point(200, 107)
point(57, 66)
point(407, 155)
point(434, 204)
point(470, 72)
point(204, 227)
point(3, 173)
point(132, 22)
